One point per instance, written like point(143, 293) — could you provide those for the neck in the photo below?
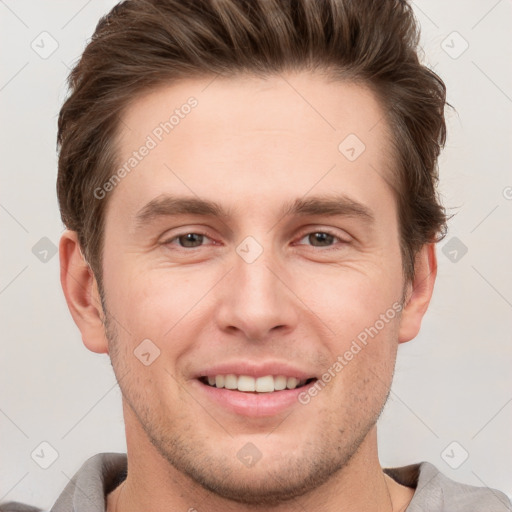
point(152, 483)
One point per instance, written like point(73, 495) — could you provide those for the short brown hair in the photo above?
point(142, 44)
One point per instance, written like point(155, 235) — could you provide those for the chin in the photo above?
point(280, 472)
point(263, 486)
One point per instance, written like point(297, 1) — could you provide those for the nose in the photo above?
point(256, 299)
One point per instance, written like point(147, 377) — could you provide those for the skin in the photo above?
point(252, 145)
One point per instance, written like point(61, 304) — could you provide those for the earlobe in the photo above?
point(81, 293)
point(419, 293)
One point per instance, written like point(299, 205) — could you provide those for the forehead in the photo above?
point(293, 132)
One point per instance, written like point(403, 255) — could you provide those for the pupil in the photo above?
point(322, 238)
point(190, 239)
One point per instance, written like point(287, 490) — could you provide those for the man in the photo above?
point(249, 192)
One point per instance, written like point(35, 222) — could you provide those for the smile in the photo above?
point(248, 384)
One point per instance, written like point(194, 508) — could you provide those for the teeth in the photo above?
point(291, 383)
point(265, 384)
point(280, 383)
point(246, 383)
point(230, 381)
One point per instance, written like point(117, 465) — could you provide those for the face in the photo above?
point(254, 239)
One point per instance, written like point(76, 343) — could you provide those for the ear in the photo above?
point(418, 293)
point(81, 292)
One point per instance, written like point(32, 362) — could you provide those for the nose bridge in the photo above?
point(256, 281)
point(254, 299)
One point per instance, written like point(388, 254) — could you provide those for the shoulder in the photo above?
point(100, 474)
point(436, 491)
point(15, 506)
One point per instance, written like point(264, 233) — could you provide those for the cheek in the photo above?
point(361, 370)
point(350, 300)
point(362, 313)
point(156, 304)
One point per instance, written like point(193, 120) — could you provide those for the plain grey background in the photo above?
point(451, 400)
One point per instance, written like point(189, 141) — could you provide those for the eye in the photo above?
point(322, 238)
point(187, 240)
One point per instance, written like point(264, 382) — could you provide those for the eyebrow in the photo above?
point(329, 205)
point(167, 205)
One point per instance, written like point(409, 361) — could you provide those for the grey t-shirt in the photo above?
point(434, 492)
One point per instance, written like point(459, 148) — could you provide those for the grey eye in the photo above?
point(320, 239)
point(190, 240)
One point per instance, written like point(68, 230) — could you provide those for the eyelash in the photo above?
point(324, 231)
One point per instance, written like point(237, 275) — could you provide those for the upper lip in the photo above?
point(255, 369)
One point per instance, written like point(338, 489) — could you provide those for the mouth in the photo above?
point(255, 385)
point(254, 389)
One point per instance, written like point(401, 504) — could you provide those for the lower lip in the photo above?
point(253, 404)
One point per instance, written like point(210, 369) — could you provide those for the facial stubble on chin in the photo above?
point(325, 456)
